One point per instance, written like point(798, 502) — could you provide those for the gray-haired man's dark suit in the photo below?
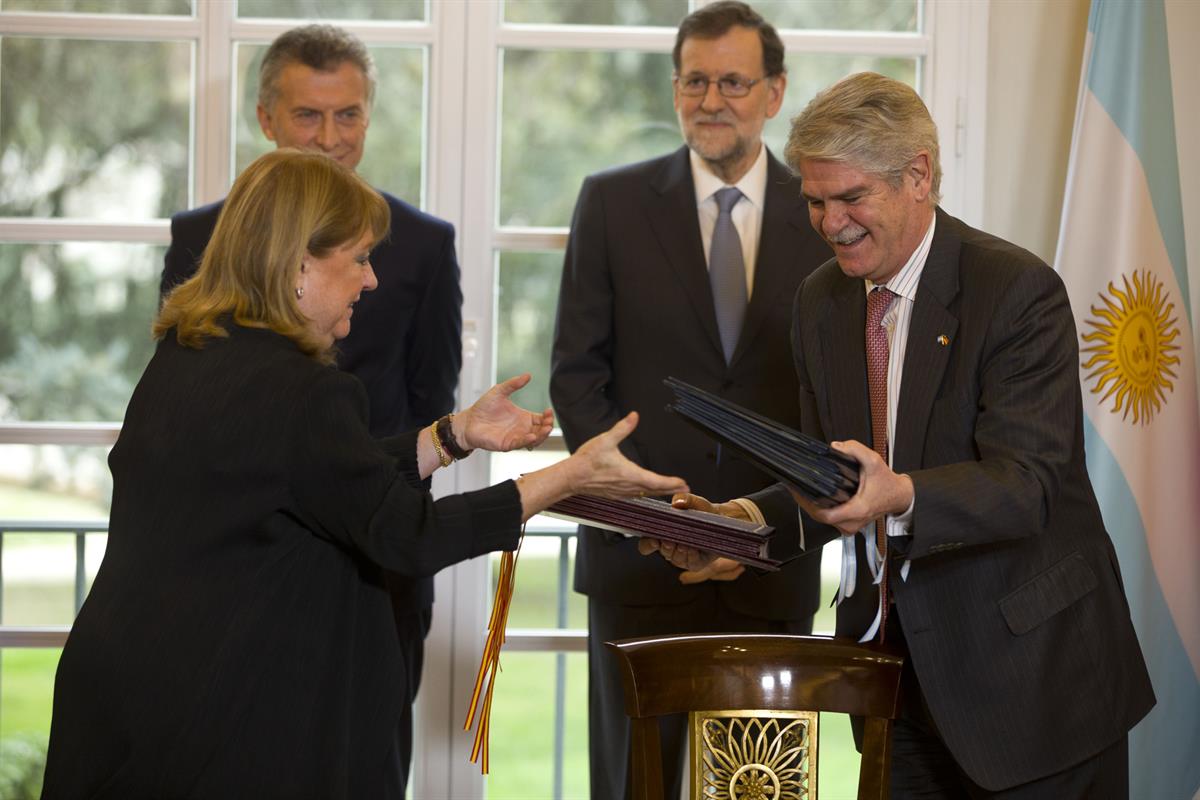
point(1014, 612)
point(635, 307)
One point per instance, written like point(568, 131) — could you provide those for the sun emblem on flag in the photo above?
point(1132, 347)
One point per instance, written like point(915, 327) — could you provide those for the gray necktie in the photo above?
point(727, 272)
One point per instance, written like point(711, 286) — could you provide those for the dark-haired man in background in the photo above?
point(685, 265)
point(316, 87)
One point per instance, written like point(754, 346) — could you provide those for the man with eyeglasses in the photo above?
point(685, 266)
point(316, 86)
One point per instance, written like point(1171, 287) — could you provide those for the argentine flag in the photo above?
point(1132, 204)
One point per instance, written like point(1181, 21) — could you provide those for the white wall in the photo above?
point(1035, 52)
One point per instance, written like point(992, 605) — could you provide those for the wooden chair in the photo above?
point(752, 703)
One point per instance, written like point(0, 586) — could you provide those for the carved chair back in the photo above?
point(753, 703)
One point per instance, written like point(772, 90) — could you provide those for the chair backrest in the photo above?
point(746, 696)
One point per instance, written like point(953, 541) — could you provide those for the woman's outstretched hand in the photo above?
point(597, 468)
point(603, 470)
point(495, 423)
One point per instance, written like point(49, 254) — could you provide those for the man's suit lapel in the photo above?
point(931, 336)
point(843, 345)
point(784, 211)
point(676, 225)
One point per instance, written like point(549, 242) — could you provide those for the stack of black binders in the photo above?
point(812, 467)
point(747, 542)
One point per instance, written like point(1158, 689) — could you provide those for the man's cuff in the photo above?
point(751, 508)
point(901, 524)
point(755, 513)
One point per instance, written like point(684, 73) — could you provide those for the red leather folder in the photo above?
point(746, 542)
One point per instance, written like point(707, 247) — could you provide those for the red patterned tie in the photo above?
point(877, 380)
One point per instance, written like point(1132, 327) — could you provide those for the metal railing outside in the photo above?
point(559, 640)
point(47, 635)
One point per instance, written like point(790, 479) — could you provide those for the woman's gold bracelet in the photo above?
point(442, 455)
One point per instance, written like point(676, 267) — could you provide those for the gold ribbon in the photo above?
point(489, 664)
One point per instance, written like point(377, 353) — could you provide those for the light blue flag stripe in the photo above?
point(1163, 748)
point(1130, 75)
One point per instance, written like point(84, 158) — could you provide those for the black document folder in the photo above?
point(746, 542)
point(812, 467)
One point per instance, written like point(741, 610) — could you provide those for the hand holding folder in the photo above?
point(808, 465)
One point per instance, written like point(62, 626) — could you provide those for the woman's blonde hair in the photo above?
point(870, 121)
point(286, 203)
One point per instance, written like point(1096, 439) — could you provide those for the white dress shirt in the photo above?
point(746, 215)
point(897, 319)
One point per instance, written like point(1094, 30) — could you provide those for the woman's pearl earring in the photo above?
point(299, 292)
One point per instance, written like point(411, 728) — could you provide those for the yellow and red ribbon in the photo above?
point(489, 664)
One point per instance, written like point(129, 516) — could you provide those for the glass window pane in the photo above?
point(26, 695)
point(528, 613)
point(87, 149)
point(825, 620)
point(39, 569)
point(846, 15)
point(809, 73)
point(597, 12)
point(522, 726)
point(568, 114)
point(526, 299)
point(50, 482)
point(74, 327)
point(837, 772)
point(392, 160)
point(333, 9)
point(173, 7)
point(537, 601)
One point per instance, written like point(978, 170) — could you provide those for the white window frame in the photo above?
point(462, 82)
point(953, 78)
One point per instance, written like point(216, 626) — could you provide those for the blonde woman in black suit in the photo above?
point(317, 86)
point(238, 640)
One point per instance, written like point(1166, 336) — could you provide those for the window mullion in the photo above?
point(659, 40)
point(125, 27)
point(212, 104)
point(954, 86)
point(397, 32)
point(585, 37)
point(459, 134)
point(40, 229)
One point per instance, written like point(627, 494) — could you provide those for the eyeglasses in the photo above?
point(728, 86)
